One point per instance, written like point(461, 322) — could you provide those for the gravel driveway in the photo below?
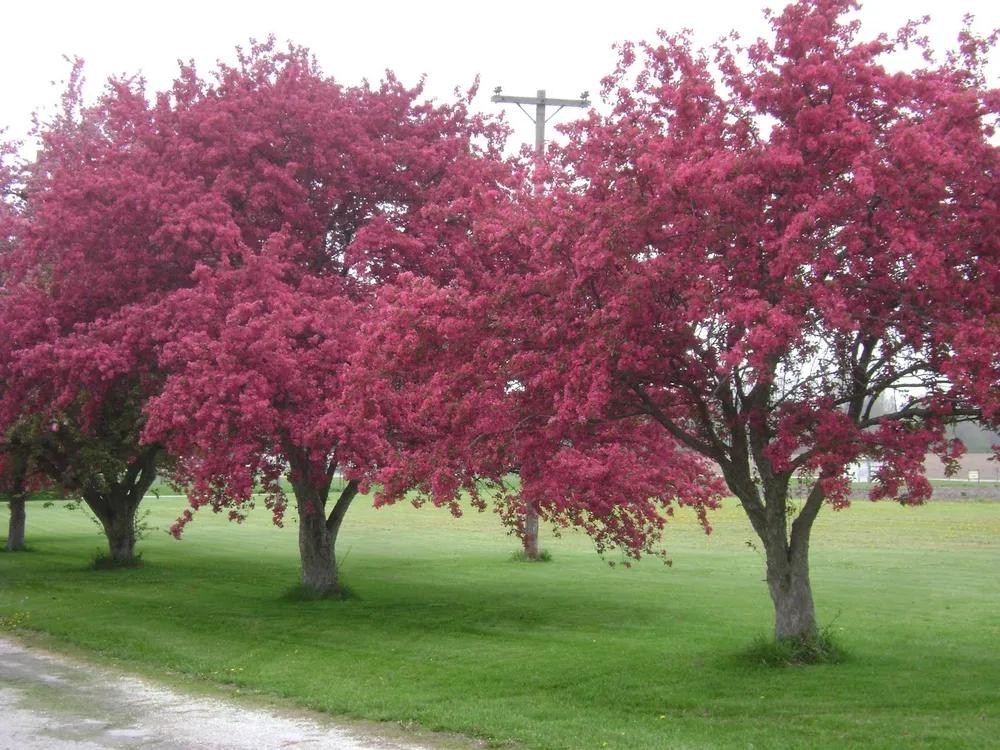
point(55, 703)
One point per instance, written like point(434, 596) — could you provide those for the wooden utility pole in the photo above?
point(540, 102)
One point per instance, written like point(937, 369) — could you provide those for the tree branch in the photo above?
point(657, 413)
point(921, 412)
point(802, 525)
point(340, 509)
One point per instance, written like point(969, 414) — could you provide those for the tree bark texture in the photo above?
point(531, 532)
point(786, 551)
point(788, 582)
point(15, 530)
point(318, 534)
point(119, 527)
point(319, 566)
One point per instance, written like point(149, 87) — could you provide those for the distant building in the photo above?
point(863, 471)
point(984, 463)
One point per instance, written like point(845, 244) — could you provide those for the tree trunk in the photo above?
point(788, 582)
point(788, 560)
point(319, 566)
point(787, 554)
point(531, 532)
point(116, 510)
point(116, 507)
point(15, 531)
point(120, 530)
point(318, 534)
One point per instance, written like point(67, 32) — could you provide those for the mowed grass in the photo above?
point(446, 632)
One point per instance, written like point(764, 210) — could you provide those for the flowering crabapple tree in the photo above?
point(464, 410)
point(96, 239)
point(753, 247)
point(12, 454)
point(324, 193)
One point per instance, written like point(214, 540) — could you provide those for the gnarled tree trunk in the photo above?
point(318, 532)
point(788, 582)
point(786, 554)
point(15, 529)
point(788, 558)
point(116, 511)
point(319, 567)
point(116, 506)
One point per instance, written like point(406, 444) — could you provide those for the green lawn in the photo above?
point(448, 633)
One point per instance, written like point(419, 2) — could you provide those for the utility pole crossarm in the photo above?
point(504, 99)
point(540, 102)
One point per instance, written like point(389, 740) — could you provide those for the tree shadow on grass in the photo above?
point(299, 594)
point(27, 548)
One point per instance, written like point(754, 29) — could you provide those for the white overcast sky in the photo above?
point(563, 47)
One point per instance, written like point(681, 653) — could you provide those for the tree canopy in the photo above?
point(321, 193)
point(754, 246)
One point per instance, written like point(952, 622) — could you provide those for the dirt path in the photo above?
point(53, 702)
